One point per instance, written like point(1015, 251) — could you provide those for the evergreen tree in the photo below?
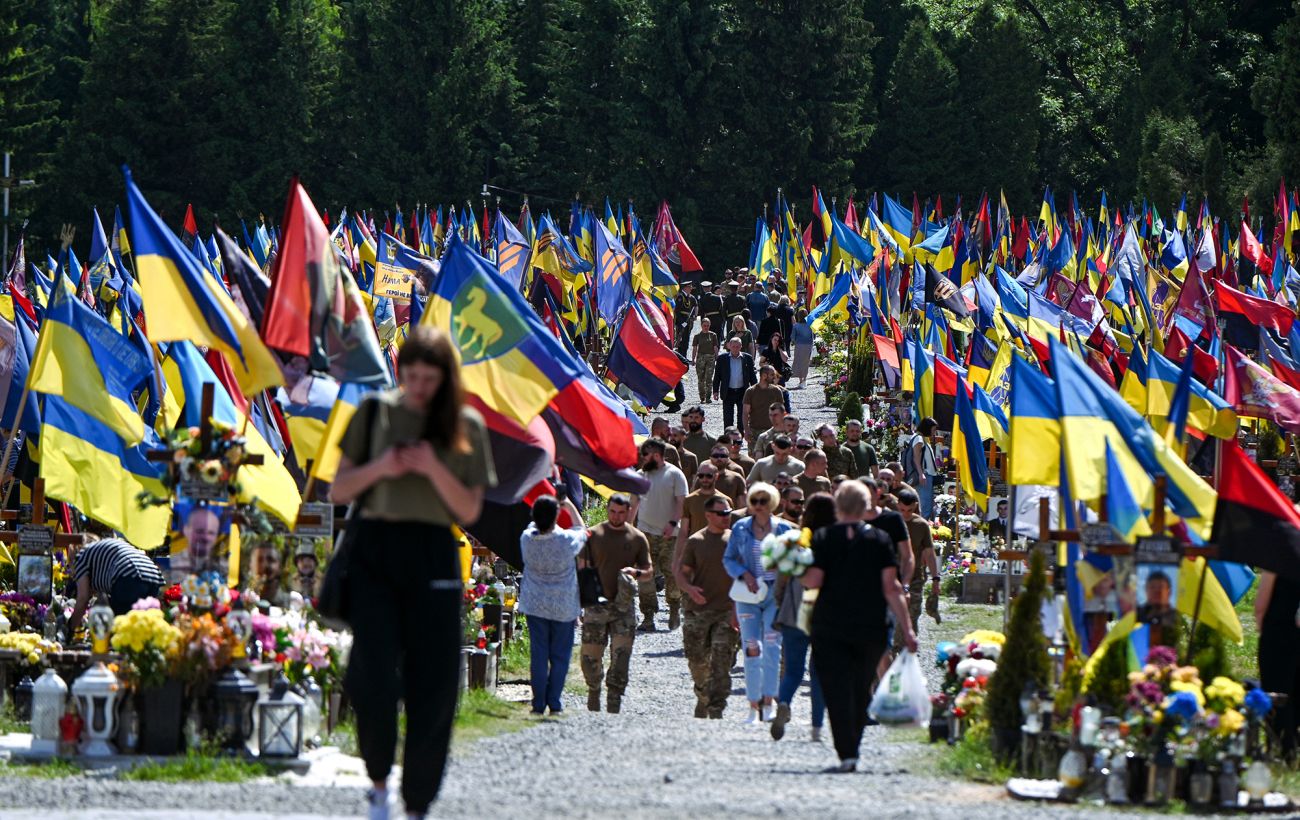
point(920, 117)
point(1000, 92)
point(29, 120)
point(1277, 97)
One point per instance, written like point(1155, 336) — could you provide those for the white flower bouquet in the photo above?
point(788, 553)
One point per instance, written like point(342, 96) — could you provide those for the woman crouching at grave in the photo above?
point(415, 461)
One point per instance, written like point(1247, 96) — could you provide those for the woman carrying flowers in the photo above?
point(415, 461)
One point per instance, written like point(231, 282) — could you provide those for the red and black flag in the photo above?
point(1254, 523)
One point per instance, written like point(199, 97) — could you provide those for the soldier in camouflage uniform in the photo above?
point(839, 459)
point(709, 638)
point(621, 554)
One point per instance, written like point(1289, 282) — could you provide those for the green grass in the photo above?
point(344, 737)
point(595, 511)
point(1245, 658)
point(480, 714)
point(972, 758)
point(197, 766)
point(959, 619)
point(9, 721)
point(51, 769)
point(515, 656)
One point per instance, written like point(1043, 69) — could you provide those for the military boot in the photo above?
point(593, 700)
point(614, 704)
point(674, 617)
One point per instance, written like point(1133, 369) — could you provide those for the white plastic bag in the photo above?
point(901, 698)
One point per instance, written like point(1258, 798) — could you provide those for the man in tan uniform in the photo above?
point(704, 350)
point(621, 555)
point(708, 638)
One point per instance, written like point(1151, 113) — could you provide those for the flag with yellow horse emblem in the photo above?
point(508, 358)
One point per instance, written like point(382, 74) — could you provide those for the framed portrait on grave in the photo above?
point(36, 576)
point(199, 539)
point(1156, 567)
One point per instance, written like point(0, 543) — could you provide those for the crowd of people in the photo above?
point(697, 535)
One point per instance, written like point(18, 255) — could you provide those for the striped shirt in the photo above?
point(109, 559)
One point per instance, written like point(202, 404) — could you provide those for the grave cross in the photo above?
point(1158, 531)
point(36, 536)
point(207, 402)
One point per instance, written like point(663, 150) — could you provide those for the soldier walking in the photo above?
point(621, 555)
point(708, 637)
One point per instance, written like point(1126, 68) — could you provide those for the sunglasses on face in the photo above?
point(718, 512)
point(709, 476)
point(795, 502)
point(758, 501)
point(803, 447)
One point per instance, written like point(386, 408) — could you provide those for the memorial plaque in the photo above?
point(1158, 549)
point(35, 538)
point(1095, 535)
point(321, 510)
point(198, 490)
point(1286, 465)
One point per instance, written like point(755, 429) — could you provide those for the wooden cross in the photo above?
point(13, 536)
point(1158, 528)
point(205, 431)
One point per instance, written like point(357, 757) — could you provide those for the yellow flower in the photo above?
point(1230, 722)
point(1136, 677)
point(1187, 674)
point(1226, 690)
point(1158, 716)
point(1194, 688)
point(805, 537)
point(984, 636)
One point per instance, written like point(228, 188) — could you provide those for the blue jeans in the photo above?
point(551, 644)
point(925, 489)
point(761, 643)
point(796, 641)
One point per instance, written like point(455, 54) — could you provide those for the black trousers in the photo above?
point(732, 399)
point(846, 669)
point(1279, 671)
point(127, 590)
point(406, 589)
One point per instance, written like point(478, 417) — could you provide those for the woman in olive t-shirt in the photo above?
point(416, 461)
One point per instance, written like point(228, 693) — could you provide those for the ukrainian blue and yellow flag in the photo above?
point(1173, 254)
point(1035, 451)
point(1204, 410)
point(1123, 508)
point(898, 224)
point(992, 422)
point(1133, 388)
point(508, 357)
point(835, 303)
point(512, 250)
point(937, 250)
point(327, 453)
point(968, 450)
point(1085, 424)
point(96, 369)
point(87, 465)
point(182, 301)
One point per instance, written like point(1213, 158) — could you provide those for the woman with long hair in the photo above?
point(818, 512)
point(758, 634)
point(774, 354)
point(415, 461)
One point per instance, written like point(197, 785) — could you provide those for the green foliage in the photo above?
point(711, 106)
point(1109, 683)
point(197, 765)
point(1209, 652)
point(850, 408)
point(1024, 656)
point(972, 758)
point(54, 769)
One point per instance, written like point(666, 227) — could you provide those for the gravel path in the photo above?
point(653, 760)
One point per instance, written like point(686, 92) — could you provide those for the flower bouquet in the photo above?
point(205, 649)
point(23, 611)
point(31, 648)
point(148, 645)
point(788, 553)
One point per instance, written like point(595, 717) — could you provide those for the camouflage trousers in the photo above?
point(612, 625)
point(710, 642)
point(915, 600)
point(704, 370)
point(661, 557)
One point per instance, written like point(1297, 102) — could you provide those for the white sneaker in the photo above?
point(769, 712)
point(379, 802)
point(753, 717)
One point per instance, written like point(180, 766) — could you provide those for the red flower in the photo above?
point(173, 594)
point(279, 657)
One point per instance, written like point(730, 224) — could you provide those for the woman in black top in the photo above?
point(855, 574)
point(774, 355)
point(1277, 613)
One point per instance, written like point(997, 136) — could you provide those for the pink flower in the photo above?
point(147, 603)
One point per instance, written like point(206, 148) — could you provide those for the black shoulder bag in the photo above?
point(333, 601)
point(590, 590)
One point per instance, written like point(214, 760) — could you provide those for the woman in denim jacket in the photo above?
point(758, 634)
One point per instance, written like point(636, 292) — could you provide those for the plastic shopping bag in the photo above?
point(901, 698)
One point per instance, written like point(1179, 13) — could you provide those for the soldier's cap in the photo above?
point(706, 284)
point(305, 548)
point(732, 283)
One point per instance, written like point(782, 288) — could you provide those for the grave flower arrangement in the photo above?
point(148, 645)
point(25, 614)
point(216, 465)
point(31, 648)
point(205, 649)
